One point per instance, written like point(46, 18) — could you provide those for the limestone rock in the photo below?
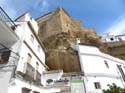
point(58, 32)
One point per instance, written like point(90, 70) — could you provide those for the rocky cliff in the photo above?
point(58, 32)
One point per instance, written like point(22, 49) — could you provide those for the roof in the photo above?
point(43, 15)
point(53, 71)
point(20, 16)
point(53, 12)
point(120, 35)
point(73, 73)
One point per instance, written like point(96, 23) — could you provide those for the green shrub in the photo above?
point(114, 89)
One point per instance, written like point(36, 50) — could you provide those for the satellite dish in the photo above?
point(49, 81)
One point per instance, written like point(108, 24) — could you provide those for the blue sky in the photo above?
point(105, 16)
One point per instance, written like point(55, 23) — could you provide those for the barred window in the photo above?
point(97, 85)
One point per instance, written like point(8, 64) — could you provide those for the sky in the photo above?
point(105, 16)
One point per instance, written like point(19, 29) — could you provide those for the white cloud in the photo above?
point(15, 8)
point(43, 5)
point(118, 27)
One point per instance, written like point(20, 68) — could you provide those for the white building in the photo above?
point(7, 39)
point(31, 63)
point(113, 38)
point(22, 58)
point(100, 69)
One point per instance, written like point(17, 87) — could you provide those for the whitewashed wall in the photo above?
point(113, 38)
point(53, 75)
point(95, 69)
point(24, 32)
point(17, 86)
point(25, 46)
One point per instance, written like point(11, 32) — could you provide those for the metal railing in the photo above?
point(38, 78)
point(4, 17)
point(30, 71)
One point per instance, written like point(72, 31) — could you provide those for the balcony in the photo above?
point(7, 26)
point(38, 78)
point(30, 72)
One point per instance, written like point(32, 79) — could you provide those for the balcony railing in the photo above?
point(4, 17)
point(32, 75)
point(30, 72)
point(38, 78)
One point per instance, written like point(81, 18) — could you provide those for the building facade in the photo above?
point(22, 58)
point(115, 45)
point(113, 38)
point(7, 39)
point(100, 69)
point(31, 63)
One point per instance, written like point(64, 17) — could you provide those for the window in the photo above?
point(29, 58)
point(32, 38)
point(97, 85)
point(39, 48)
point(36, 92)
point(4, 56)
point(37, 65)
point(26, 90)
point(36, 71)
point(106, 64)
point(121, 72)
point(112, 39)
point(119, 38)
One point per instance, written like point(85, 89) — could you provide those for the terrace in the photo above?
point(7, 27)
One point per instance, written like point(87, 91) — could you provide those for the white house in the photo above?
point(100, 69)
point(22, 57)
point(31, 74)
point(31, 63)
point(113, 38)
point(7, 39)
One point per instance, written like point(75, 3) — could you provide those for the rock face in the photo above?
point(58, 21)
point(58, 32)
point(117, 49)
point(60, 55)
